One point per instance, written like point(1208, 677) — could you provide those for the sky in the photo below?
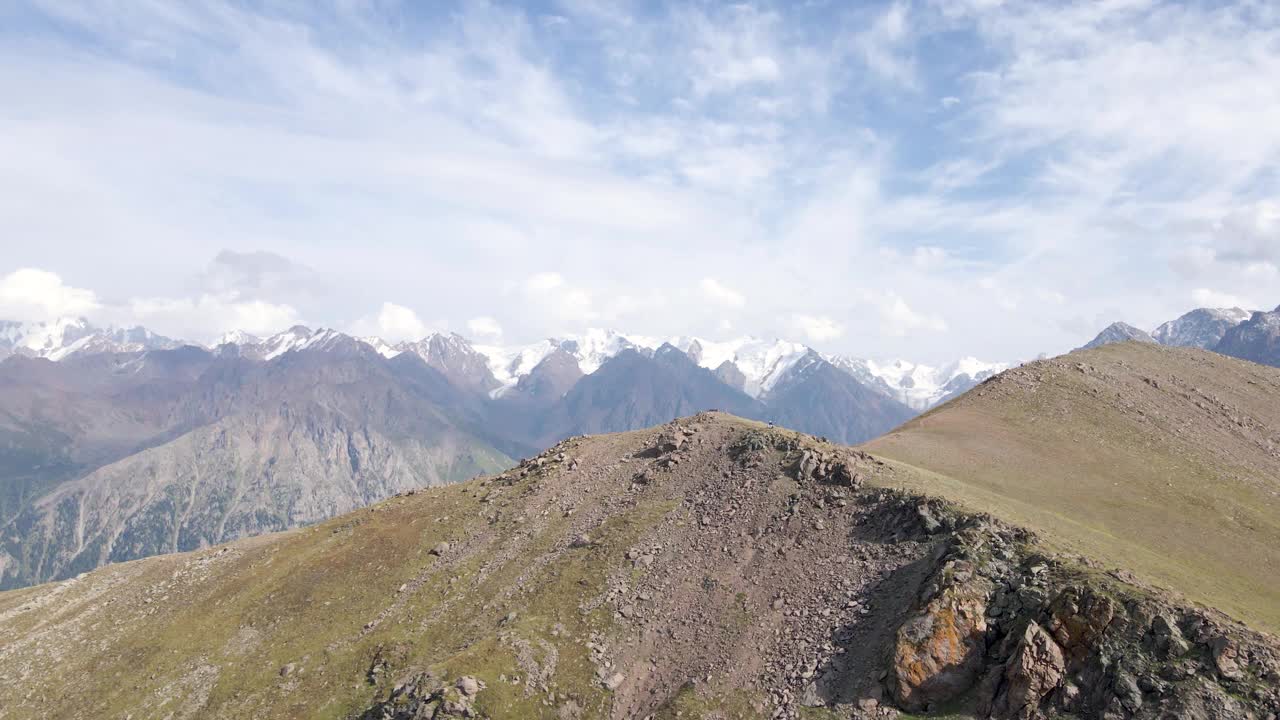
point(921, 179)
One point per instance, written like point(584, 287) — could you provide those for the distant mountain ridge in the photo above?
point(112, 457)
point(128, 444)
point(1253, 336)
point(1118, 332)
point(1256, 339)
point(66, 337)
point(750, 364)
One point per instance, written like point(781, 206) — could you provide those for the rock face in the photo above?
point(454, 358)
point(731, 375)
point(1256, 339)
point(551, 378)
point(1025, 636)
point(940, 652)
point(1118, 332)
point(1034, 670)
point(1202, 328)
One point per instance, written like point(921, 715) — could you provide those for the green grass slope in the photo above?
point(1162, 461)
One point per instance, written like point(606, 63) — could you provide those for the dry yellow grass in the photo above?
point(1162, 461)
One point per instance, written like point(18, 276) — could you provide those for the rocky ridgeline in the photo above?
point(903, 603)
point(945, 610)
point(1018, 634)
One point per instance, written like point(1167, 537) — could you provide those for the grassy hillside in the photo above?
point(1159, 460)
point(711, 568)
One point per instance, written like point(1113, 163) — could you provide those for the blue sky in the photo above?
point(919, 179)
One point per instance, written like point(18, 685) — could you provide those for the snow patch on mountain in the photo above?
point(916, 385)
point(762, 362)
point(1202, 327)
point(758, 365)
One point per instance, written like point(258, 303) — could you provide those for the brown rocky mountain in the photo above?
point(822, 400)
point(115, 457)
point(712, 567)
point(633, 390)
point(1256, 339)
point(551, 378)
point(454, 357)
point(1118, 332)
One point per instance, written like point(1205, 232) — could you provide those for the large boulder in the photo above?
point(1035, 669)
point(939, 653)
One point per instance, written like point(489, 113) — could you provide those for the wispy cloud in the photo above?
point(974, 166)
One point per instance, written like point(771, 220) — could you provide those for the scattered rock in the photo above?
point(469, 685)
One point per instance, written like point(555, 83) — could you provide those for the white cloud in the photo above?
point(393, 323)
point(766, 147)
point(720, 294)
point(817, 328)
point(928, 256)
point(885, 49)
point(544, 281)
point(32, 295)
point(897, 318)
point(1204, 297)
point(484, 327)
point(1250, 234)
point(206, 317)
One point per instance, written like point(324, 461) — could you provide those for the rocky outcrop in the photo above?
point(731, 375)
point(1034, 670)
point(425, 696)
point(940, 652)
point(1016, 634)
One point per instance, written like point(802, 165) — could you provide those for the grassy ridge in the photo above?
point(1157, 460)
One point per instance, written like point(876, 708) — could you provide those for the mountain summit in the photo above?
point(1118, 332)
point(1202, 328)
point(1256, 339)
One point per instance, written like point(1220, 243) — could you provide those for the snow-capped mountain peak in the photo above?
point(1202, 327)
point(751, 364)
point(237, 337)
point(762, 362)
point(68, 336)
point(917, 385)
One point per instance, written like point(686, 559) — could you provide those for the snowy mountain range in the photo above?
point(1253, 336)
point(749, 364)
point(66, 337)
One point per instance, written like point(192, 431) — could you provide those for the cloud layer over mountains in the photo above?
point(907, 179)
